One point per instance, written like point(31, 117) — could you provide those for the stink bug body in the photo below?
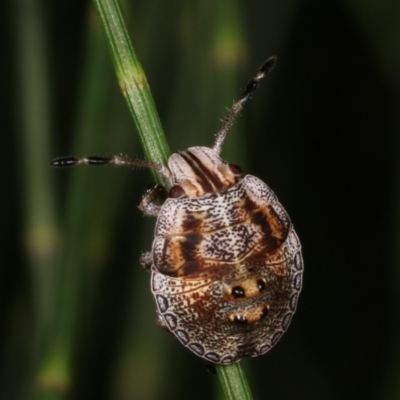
point(226, 264)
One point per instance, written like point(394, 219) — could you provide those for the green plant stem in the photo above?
point(234, 382)
point(133, 83)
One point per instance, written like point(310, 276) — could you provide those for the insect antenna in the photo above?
point(118, 161)
point(238, 105)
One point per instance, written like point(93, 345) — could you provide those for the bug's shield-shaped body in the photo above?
point(227, 268)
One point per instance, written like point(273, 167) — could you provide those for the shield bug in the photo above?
point(226, 264)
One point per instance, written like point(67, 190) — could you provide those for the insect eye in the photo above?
point(235, 169)
point(176, 192)
point(261, 284)
point(237, 292)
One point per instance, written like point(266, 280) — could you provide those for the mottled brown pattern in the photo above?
point(212, 233)
point(218, 242)
point(193, 222)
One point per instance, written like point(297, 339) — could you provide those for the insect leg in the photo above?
point(148, 205)
point(146, 260)
point(161, 323)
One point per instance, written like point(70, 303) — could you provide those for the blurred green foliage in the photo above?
point(322, 131)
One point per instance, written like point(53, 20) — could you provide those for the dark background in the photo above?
point(76, 313)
